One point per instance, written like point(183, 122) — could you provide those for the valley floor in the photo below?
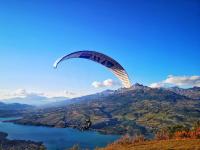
point(158, 145)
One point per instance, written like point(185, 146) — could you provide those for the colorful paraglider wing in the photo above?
point(100, 58)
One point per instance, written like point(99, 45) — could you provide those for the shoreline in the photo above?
point(100, 131)
point(103, 132)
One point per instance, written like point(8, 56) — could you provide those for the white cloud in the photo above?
point(7, 94)
point(187, 81)
point(34, 98)
point(22, 93)
point(105, 83)
point(183, 80)
point(156, 85)
point(97, 84)
point(68, 93)
point(64, 93)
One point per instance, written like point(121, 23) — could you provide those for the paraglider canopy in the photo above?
point(102, 59)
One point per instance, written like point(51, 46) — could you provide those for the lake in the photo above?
point(56, 138)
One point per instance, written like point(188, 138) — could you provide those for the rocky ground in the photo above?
point(6, 144)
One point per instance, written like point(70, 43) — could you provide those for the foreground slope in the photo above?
point(158, 145)
point(139, 109)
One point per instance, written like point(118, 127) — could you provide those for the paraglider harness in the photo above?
point(87, 124)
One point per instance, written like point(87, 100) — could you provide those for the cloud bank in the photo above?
point(23, 93)
point(23, 96)
point(182, 81)
point(105, 83)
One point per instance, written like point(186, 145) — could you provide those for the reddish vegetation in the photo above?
point(178, 135)
point(187, 134)
point(192, 144)
point(130, 140)
point(172, 138)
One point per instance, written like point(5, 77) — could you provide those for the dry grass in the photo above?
point(176, 138)
point(187, 144)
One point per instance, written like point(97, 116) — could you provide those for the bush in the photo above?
point(124, 140)
point(196, 125)
point(182, 135)
point(192, 134)
point(127, 140)
point(162, 135)
point(198, 133)
point(138, 139)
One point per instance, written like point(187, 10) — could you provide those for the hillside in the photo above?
point(15, 109)
point(6, 144)
point(139, 109)
point(193, 93)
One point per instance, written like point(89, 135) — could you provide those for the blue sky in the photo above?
point(150, 38)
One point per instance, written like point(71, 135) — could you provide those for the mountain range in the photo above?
point(193, 93)
point(136, 110)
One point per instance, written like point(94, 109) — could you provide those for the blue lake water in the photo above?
point(56, 138)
